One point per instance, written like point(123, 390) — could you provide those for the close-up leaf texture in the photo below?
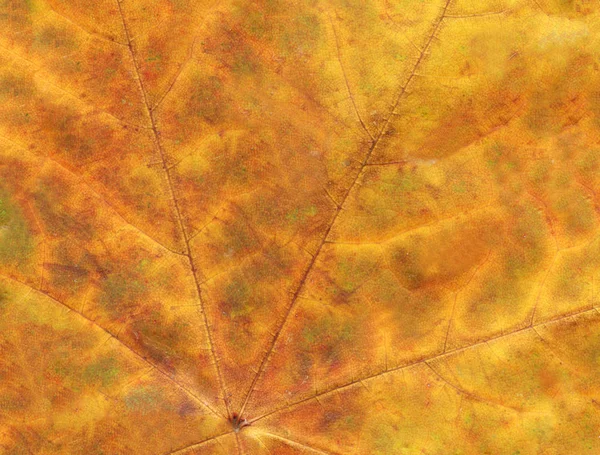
point(339, 227)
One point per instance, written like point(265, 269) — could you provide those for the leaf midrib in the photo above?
point(186, 240)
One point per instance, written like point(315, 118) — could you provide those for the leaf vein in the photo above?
point(281, 325)
point(439, 355)
point(113, 336)
point(179, 217)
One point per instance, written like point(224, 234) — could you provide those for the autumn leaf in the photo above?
point(299, 227)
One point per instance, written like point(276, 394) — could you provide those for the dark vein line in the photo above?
point(198, 444)
point(548, 216)
point(467, 393)
point(549, 346)
point(477, 269)
point(429, 224)
point(83, 29)
point(439, 355)
point(539, 6)
point(296, 444)
point(179, 217)
point(93, 109)
point(80, 178)
point(413, 73)
point(162, 97)
point(393, 21)
point(44, 244)
point(331, 198)
point(593, 195)
point(541, 288)
point(339, 56)
point(121, 342)
point(262, 444)
point(338, 210)
point(466, 16)
point(389, 163)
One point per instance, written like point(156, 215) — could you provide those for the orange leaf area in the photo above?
point(271, 227)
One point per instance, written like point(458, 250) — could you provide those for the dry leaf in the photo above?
point(299, 227)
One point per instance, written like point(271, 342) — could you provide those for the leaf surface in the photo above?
point(279, 227)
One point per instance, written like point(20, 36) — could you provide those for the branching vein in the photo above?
point(439, 355)
point(339, 56)
point(118, 340)
point(296, 444)
point(179, 217)
point(338, 210)
point(198, 444)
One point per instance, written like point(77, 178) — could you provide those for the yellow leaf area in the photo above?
point(299, 227)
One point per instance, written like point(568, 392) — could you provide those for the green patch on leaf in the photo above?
point(237, 297)
point(16, 239)
point(104, 371)
point(120, 290)
point(143, 400)
point(301, 214)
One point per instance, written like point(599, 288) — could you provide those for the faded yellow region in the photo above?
point(281, 227)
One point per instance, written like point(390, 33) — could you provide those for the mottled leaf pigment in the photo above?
point(271, 227)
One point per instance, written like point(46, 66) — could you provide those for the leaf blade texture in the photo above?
point(278, 227)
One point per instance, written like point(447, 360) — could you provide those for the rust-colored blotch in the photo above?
point(264, 227)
